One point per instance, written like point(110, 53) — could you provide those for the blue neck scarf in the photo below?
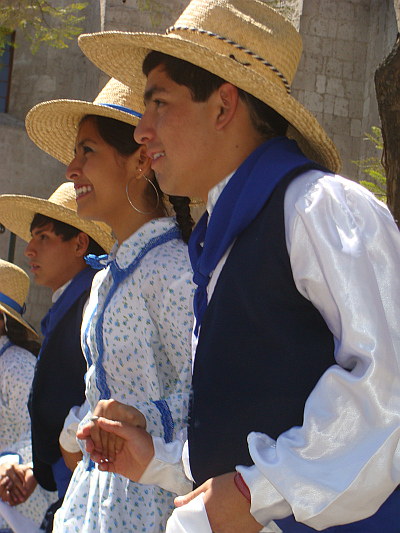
point(238, 205)
point(78, 285)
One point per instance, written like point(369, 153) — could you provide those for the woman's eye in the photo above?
point(87, 149)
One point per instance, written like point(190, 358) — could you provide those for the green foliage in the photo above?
point(156, 10)
point(40, 22)
point(373, 167)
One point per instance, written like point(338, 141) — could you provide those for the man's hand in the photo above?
point(117, 440)
point(107, 443)
point(227, 509)
point(17, 483)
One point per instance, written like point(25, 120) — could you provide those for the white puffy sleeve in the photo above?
point(344, 461)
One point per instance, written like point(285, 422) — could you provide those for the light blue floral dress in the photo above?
point(136, 335)
point(16, 373)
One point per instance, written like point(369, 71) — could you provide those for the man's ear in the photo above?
point(82, 243)
point(227, 100)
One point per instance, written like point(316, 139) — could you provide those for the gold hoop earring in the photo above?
point(130, 201)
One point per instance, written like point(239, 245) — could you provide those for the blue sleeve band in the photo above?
point(166, 419)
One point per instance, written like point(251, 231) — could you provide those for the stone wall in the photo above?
point(344, 41)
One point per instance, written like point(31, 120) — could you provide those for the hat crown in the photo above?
point(245, 29)
point(14, 282)
point(118, 94)
point(65, 196)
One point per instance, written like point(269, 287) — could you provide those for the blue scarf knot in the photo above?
point(240, 202)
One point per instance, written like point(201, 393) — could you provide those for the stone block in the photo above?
point(328, 8)
point(356, 108)
point(335, 86)
point(313, 101)
point(319, 26)
point(346, 31)
point(355, 127)
point(341, 125)
point(327, 47)
point(345, 11)
point(347, 70)
point(312, 44)
point(305, 81)
point(354, 89)
point(341, 108)
point(320, 84)
point(329, 103)
point(334, 68)
point(332, 29)
point(313, 63)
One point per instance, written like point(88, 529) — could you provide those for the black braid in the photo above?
point(181, 205)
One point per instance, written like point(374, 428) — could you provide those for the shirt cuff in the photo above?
point(267, 503)
point(165, 469)
point(10, 458)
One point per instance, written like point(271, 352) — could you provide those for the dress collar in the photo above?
point(124, 254)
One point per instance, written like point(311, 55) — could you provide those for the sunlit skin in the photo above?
point(53, 261)
point(100, 175)
point(193, 146)
point(188, 141)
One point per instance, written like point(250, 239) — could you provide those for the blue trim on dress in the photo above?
point(166, 419)
point(118, 275)
point(7, 345)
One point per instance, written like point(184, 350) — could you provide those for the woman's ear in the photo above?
point(141, 162)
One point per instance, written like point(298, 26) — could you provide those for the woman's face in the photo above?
point(100, 175)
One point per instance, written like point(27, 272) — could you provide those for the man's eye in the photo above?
point(158, 103)
point(87, 149)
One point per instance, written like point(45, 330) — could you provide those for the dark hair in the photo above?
point(65, 231)
point(202, 84)
point(119, 135)
point(21, 336)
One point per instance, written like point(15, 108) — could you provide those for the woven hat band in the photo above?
point(12, 303)
point(238, 46)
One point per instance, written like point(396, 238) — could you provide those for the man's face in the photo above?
point(179, 136)
point(51, 259)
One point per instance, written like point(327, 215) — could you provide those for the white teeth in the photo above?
point(82, 190)
point(159, 154)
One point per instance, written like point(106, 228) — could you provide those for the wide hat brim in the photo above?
point(17, 212)
point(4, 308)
point(53, 125)
point(121, 54)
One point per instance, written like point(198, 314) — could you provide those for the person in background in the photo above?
point(137, 326)
point(295, 404)
point(58, 241)
point(19, 347)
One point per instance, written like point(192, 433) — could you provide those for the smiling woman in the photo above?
point(137, 325)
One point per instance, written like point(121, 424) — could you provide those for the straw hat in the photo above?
point(14, 287)
point(17, 212)
point(245, 42)
point(53, 125)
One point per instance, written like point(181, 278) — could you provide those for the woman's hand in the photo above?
point(102, 442)
point(17, 483)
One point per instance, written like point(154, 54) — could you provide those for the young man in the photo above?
point(296, 383)
point(58, 241)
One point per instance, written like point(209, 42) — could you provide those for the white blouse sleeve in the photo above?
point(344, 461)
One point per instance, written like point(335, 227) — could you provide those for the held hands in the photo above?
point(227, 509)
point(117, 439)
point(17, 483)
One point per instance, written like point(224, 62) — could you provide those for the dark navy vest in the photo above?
point(58, 385)
point(261, 350)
